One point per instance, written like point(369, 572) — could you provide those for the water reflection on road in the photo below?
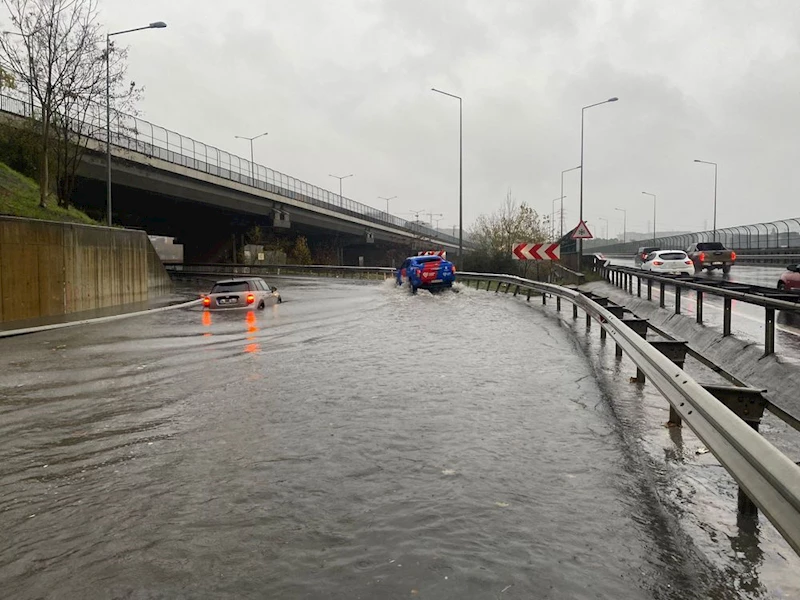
point(354, 441)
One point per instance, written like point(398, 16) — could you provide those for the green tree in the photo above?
point(495, 235)
point(301, 253)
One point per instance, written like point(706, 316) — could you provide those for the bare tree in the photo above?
point(58, 54)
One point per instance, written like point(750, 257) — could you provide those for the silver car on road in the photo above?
point(245, 292)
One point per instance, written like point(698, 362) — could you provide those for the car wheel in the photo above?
point(726, 269)
point(781, 286)
point(280, 300)
point(261, 305)
point(697, 268)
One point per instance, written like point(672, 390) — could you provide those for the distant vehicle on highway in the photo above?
point(790, 279)
point(642, 254)
point(426, 272)
point(710, 256)
point(676, 262)
point(247, 292)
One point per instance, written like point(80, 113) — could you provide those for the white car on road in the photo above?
point(669, 261)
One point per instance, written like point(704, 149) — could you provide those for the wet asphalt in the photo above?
point(358, 442)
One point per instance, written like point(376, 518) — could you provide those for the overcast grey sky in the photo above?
point(343, 86)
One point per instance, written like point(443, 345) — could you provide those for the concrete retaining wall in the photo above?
point(49, 268)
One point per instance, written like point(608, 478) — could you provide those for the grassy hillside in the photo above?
point(19, 196)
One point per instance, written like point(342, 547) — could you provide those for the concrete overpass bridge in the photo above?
point(157, 171)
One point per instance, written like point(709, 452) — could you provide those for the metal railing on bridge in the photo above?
point(779, 237)
point(137, 135)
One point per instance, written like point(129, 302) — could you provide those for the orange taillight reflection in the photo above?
point(206, 318)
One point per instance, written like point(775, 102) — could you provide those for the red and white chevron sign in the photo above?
point(545, 251)
point(442, 253)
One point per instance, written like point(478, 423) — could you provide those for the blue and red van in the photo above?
point(426, 272)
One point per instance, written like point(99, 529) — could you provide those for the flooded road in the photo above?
point(355, 442)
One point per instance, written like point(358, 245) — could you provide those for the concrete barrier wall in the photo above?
point(49, 268)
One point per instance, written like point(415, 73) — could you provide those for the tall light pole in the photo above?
point(654, 215)
point(250, 139)
point(606, 220)
point(705, 162)
point(583, 110)
point(387, 201)
point(340, 184)
point(561, 231)
point(624, 223)
point(553, 213)
point(156, 25)
point(460, 175)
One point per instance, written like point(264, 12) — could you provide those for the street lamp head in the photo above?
point(614, 99)
point(158, 25)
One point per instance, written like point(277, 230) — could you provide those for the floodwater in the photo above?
point(357, 442)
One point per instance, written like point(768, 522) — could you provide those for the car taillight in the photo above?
point(687, 261)
point(702, 257)
point(250, 298)
point(206, 301)
point(733, 255)
point(658, 263)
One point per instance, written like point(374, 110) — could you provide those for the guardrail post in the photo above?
point(677, 299)
point(588, 321)
point(661, 290)
point(769, 331)
point(639, 286)
point(675, 351)
point(639, 326)
point(699, 309)
point(649, 289)
point(529, 294)
point(574, 311)
point(630, 284)
point(749, 405)
point(558, 303)
point(726, 316)
point(544, 299)
point(498, 287)
point(508, 286)
point(516, 291)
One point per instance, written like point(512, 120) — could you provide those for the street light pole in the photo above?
point(705, 162)
point(250, 139)
point(387, 201)
point(654, 215)
point(341, 199)
point(561, 231)
point(583, 110)
point(460, 175)
point(624, 223)
point(156, 25)
point(553, 217)
point(606, 220)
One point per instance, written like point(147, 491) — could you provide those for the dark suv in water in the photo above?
point(641, 256)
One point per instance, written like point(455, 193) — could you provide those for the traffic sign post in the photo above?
point(544, 251)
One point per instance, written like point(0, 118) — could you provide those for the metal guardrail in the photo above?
point(140, 136)
point(770, 298)
point(768, 477)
